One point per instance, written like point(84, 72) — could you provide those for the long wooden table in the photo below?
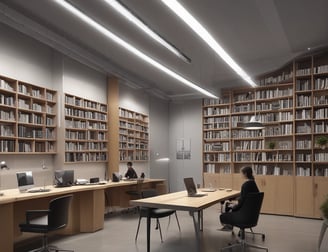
point(181, 202)
point(86, 212)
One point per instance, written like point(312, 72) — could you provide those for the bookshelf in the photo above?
point(290, 167)
point(28, 118)
point(133, 136)
point(85, 130)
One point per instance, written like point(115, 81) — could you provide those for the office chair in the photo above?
point(136, 193)
point(246, 217)
point(45, 221)
point(155, 213)
point(322, 232)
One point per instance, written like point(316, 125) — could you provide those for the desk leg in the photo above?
point(148, 231)
point(198, 226)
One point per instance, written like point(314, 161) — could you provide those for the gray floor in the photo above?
point(283, 234)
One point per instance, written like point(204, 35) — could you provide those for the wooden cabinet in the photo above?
point(289, 164)
point(85, 130)
point(134, 136)
point(27, 118)
point(320, 194)
point(217, 180)
point(304, 196)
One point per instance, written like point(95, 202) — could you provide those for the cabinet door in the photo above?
point(211, 179)
point(225, 181)
point(266, 184)
point(284, 198)
point(304, 197)
point(320, 193)
point(237, 181)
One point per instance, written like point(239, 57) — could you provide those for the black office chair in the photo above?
point(136, 193)
point(244, 218)
point(155, 213)
point(45, 221)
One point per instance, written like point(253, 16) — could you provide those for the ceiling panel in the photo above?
point(259, 35)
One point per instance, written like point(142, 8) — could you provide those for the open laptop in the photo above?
point(64, 178)
point(25, 183)
point(191, 188)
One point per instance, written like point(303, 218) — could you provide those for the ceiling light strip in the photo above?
point(131, 48)
point(125, 12)
point(197, 27)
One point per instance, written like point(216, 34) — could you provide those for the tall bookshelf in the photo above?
point(290, 167)
point(134, 136)
point(28, 118)
point(85, 130)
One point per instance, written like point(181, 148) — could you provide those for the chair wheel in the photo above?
point(263, 237)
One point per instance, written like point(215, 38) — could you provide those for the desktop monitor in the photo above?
point(64, 178)
point(25, 180)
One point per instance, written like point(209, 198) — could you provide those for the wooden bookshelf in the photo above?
point(27, 118)
point(134, 136)
point(290, 167)
point(85, 130)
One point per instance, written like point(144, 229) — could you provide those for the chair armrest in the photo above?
point(32, 214)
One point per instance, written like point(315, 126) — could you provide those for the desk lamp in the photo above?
point(3, 165)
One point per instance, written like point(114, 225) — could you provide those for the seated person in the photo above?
point(249, 186)
point(130, 173)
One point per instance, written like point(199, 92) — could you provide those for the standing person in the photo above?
point(130, 173)
point(249, 186)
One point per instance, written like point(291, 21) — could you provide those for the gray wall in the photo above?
point(185, 123)
point(26, 59)
point(159, 138)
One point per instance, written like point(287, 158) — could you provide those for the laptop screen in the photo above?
point(64, 178)
point(190, 186)
point(24, 180)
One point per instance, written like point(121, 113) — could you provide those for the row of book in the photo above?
point(216, 111)
point(7, 100)
point(283, 77)
point(85, 157)
point(6, 85)
point(273, 93)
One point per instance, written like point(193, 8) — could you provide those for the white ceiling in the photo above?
point(260, 35)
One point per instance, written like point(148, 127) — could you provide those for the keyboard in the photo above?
point(36, 190)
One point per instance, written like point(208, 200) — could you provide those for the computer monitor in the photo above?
point(64, 178)
point(24, 180)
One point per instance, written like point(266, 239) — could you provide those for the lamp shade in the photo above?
point(253, 124)
point(3, 165)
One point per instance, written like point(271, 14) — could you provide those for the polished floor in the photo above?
point(283, 234)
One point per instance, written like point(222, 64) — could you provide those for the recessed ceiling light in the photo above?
point(131, 48)
point(200, 30)
point(134, 19)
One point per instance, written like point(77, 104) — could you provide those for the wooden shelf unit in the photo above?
point(134, 136)
point(27, 118)
point(290, 167)
point(86, 136)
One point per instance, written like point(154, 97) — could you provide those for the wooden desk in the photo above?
point(86, 212)
point(181, 202)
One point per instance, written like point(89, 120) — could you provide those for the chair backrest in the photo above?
point(247, 216)
point(148, 193)
point(58, 212)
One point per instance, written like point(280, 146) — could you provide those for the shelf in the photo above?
point(25, 118)
point(85, 130)
point(134, 132)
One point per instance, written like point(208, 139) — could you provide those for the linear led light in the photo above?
point(125, 12)
point(197, 27)
point(131, 48)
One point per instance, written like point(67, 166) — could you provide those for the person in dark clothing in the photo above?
point(130, 173)
point(249, 186)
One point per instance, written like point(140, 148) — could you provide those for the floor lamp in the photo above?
point(3, 165)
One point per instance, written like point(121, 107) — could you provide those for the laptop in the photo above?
point(25, 183)
point(64, 178)
point(191, 188)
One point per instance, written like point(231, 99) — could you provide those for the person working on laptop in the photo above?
point(130, 173)
point(249, 186)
